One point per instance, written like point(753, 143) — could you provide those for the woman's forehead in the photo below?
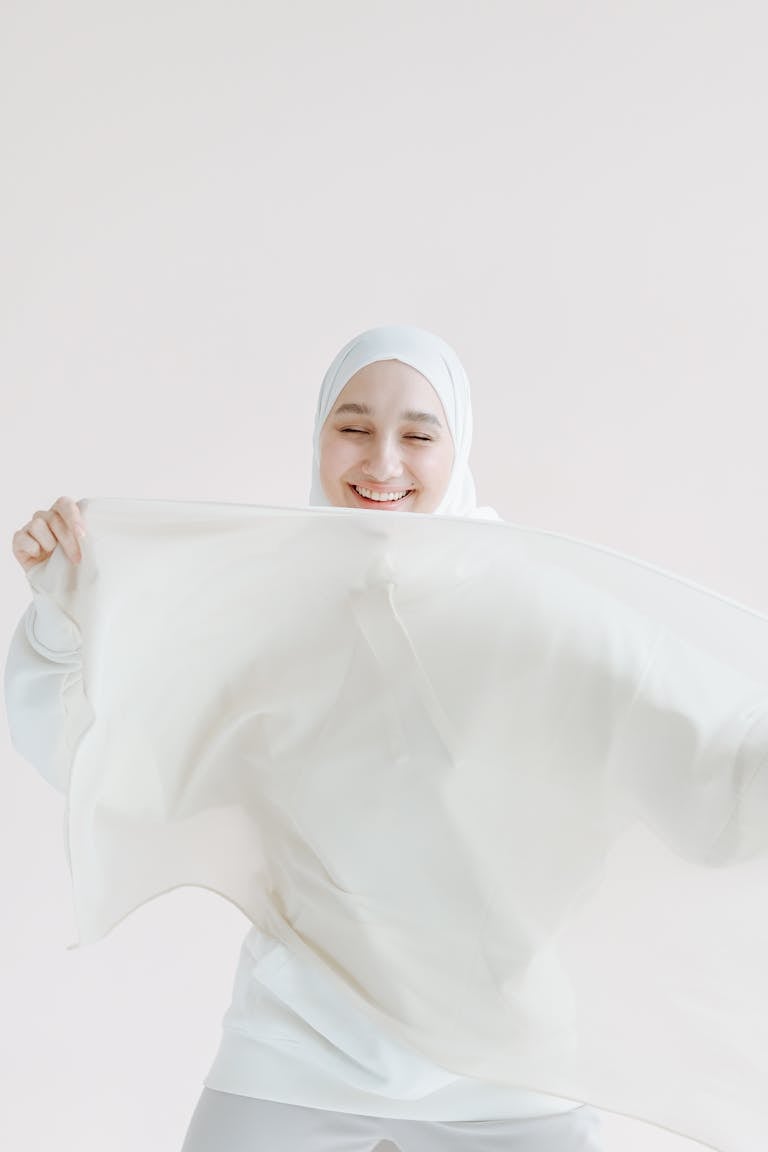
point(385, 382)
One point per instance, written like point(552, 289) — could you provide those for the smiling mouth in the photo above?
point(381, 499)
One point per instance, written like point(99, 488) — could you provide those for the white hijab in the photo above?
point(440, 365)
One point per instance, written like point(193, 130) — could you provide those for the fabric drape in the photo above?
point(568, 749)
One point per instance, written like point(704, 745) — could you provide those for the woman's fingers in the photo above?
point(65, 534)
point(39, 532)
point(27, 549)
point(69, 511)
point(61, 524)
point(35, 542)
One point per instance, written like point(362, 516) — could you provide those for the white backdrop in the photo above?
point(199, 203)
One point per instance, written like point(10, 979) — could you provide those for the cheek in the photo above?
point(437, 469)
point(335, 458)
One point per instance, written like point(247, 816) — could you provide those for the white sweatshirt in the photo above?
point(287, 1036)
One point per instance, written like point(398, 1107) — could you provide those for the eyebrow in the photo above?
point(411, 414)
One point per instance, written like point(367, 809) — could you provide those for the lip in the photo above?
point(381, 505)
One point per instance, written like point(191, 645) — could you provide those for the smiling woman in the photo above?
point(393, 430)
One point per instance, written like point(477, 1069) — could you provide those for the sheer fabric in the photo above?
point(572, 747)
point(223, 1120)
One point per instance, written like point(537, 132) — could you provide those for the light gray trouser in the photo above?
point(226, 1122)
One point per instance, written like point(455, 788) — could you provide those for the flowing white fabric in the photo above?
point(439, 364)
point(508, 788)
point(226, 1120)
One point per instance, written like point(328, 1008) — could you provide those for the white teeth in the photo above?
point(380, 495)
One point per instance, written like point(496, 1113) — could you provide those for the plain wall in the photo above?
point(200, 203)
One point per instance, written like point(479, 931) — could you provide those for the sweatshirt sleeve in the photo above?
point(43, 671)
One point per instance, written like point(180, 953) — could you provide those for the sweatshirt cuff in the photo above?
point(49, 630)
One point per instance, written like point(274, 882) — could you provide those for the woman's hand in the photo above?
point(61, 524)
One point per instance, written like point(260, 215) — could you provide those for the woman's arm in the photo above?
point(43, 667)
point(44, 663)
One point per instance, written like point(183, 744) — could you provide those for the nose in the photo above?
point(383, 461)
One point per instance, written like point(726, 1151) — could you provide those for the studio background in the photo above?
point(200, 203)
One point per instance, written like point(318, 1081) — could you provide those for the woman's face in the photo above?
point(386, 442)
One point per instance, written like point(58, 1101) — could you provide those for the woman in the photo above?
point(295, 1068)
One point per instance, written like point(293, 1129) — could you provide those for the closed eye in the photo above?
point(364, 432)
